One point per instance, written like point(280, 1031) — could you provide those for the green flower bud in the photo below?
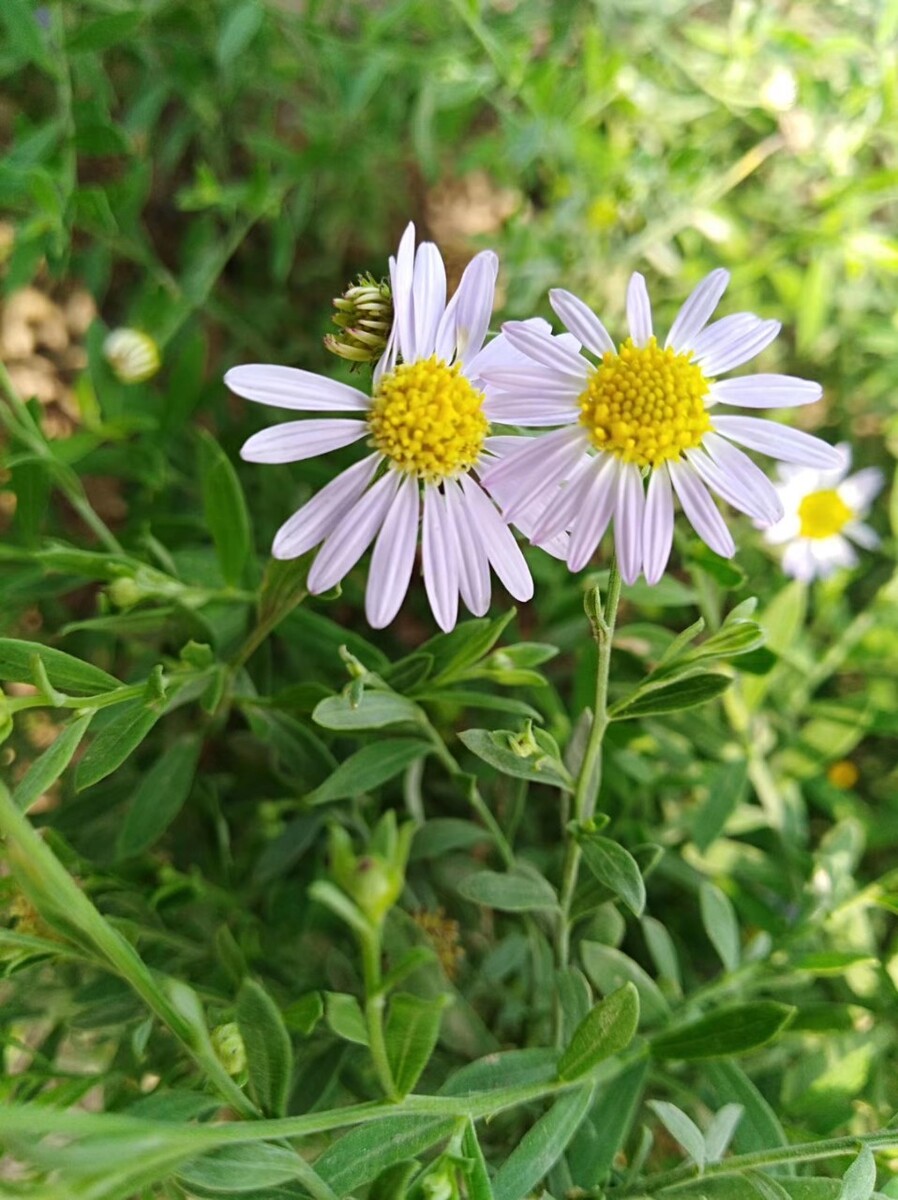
point(230, 1051)
point(364, 317)
point(124, 592)
point(375, 879)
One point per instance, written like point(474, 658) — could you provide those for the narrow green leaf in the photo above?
point(609, 969)
point(375, 710)
point(542, 1145)
point(477, 1177)
point(123, 730)
point(616, 868)
point(160, 796)
point(94, 36)
point(720, 1132)
point(766, 1187)
point(345, 1017)
point(671, 697)
point(412, 1029)
point(269, 1053)
point(537, 766)
point(682, 1129)
point(242, 1168)
point(760, 1127)
point(363, 1153)
point(368, 768)
point(607, 1030)
point(859, 1180)
point(721, 924)
point(516, 890)
point(224, 505)
point(453, 653)
point(602, 1136)
point(239, 28)
point(65, 672)
point(46, 769)
point(726, 1032)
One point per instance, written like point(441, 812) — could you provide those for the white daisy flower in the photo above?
point(643, 409)
point(427, 429)
point(824, 513)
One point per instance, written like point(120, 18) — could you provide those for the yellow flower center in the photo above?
point(823, 514)
point(645, 404)
point(428, 419)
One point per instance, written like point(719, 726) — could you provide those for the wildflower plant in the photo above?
point(311, 886)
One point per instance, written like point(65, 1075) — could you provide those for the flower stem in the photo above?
point(589, 779)
point(375, 1000)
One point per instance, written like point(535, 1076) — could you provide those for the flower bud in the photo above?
point(364, 318)
point(132, 355)
point(227, 1042)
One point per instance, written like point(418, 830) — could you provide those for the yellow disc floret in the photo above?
point(645, 404)
point(428, 419)
point(823, 514)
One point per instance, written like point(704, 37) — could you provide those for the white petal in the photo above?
point(288, 387)
point(531, 409)
point(766, 391)
point(296, 440)
point(598, 506)
point(658, 527)
point(547, 381)
point(537, 469)
point(861, 533)
point(318, 516)
point(779, 441)
point(730, 351)
point(739, 480)
point(498, 541)
point(402, 275)
point(564, 504)
point(700, 509)
point(393, 557)
point(429, 290)
point(581, 321)
point(439, 563)
point(355, 532)
point(697, 310)
point(547, 351)
point(799, 561)
point(473, 564)
point(639, 310)
point(467, 317)
point(629, 516)
point(785, 530)
point(499, 352)
point(859, 490)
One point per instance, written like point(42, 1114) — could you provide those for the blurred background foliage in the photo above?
point(213, 173)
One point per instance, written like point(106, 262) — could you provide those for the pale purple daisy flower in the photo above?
point(426, 425)
point(823, 515)
point(643, 409)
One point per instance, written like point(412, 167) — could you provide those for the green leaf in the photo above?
point(477, 1177)
point(304, 1013)
point(375, 710)
point(412, 1029)
point(392, 1184)
point(269, 1053)
point(760, 1127)
point(249, 1168)
point(616, 868)
point(363, 1153)
point(93, 36)
point(859, 1180)
point(682, 1129)
point(721, 924)
point(539, 765)
point(507, 1068)
point(238, 29)
point(368, 768)
point(46, 769)
point(720, 1131)
point(601, 1137)
point(345, 1017)
point(159, 798)
point(224, 505)
point(465, 645)
point(671, 697)
point(26, 39)
point(65, 672)
point(609, 969)
point(542, 1145)
point(123, 730)
point(607, 1030)
point(726, 1032)
point(517, 890)
point(442, 835)
point(726, 786)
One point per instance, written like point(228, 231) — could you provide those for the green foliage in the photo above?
point(441, 955)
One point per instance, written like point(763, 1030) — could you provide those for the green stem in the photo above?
point(589, 779)
point(64, 905)
point(375, 1000)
